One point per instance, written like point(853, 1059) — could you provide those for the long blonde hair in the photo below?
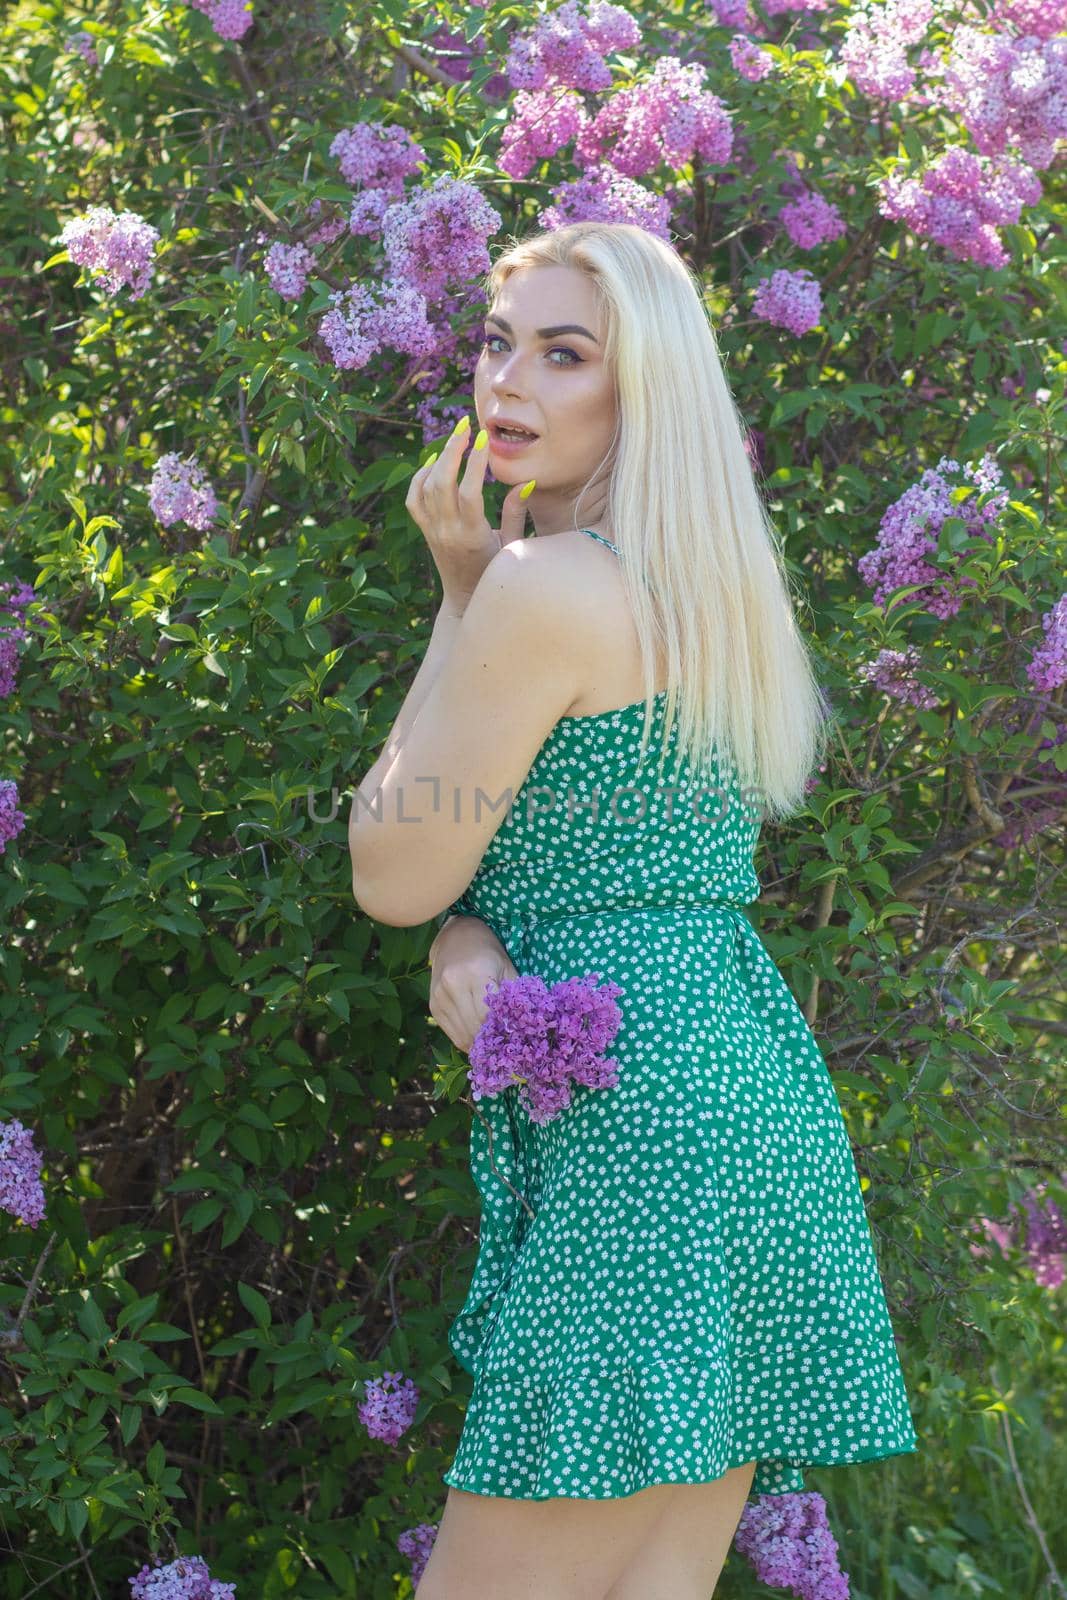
point(703, 572)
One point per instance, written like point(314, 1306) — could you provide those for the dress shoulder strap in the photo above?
point(600, 537)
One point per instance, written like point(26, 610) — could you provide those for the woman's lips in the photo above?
point(509, 447)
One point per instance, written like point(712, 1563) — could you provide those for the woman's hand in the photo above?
point(465, 956)
point(452, 517)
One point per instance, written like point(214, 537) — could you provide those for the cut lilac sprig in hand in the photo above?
point(546, 1040)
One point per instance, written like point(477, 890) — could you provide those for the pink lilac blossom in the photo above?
point(787, 1539)
point(1043, 19)
point(21, 1191)
point(389, 1407)
point(893, 671)
point(377, 155)
point(748, 60)
point(542, 122)
point(539, 1037)
point(416, 1543)
point(1036, 1226)
point(667, 117)
point(187, 1578)
point(437, 237)
point(1048, 667)
point(82, 43)
point(287, 266)
point(604, 195)
point(909, 530)
point(180, 492)
point(960, 201)
point(120, 246)
point(809, 220)
point(1008, 91)
point(874, 49)
point(231, 19)
point(567, 48)
point(12, 820)
point(790, 300)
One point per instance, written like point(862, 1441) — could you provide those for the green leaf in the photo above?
point(197, 1401)
point(255, 1303)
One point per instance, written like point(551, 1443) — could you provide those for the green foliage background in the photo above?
point(256, 1139)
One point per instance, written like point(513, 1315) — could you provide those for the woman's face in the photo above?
point(539, 369)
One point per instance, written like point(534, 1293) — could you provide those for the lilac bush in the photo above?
point(228, 1068)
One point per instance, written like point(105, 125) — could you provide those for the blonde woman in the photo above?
point(676, 1301)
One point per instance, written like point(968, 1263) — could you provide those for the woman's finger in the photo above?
point(473, 485)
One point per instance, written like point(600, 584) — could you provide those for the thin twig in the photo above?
point(12, 1337)
point(1053, 1576)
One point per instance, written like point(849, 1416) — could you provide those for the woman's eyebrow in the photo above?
point(544, 333)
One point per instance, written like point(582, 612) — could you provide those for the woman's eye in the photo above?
point(576, 359)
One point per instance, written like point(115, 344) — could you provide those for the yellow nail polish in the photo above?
point(430, 460)
point(461, 426)
point(527, 490)
point(482, 439)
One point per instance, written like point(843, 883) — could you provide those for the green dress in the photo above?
point(675, 1275)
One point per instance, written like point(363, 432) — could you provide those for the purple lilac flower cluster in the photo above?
point(118, 246)
point(12, 820)
point(791, 300)
point(541, 1037)
point(82, 43)
point(566, 47)
point(748, 60)
point(180, 492)
point(1037, 1227)
point(187, 1578)
point(1048, 667)
point(788, 1540)
point(1008, 90)
point(909, 531)
point(15, 601)
point(960, 200)
point(893, 671)
point(389, 1406)
point(231, 19)
point(287, 266)
point(21, 1191)
point(874, 48)
point(416, 1543)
